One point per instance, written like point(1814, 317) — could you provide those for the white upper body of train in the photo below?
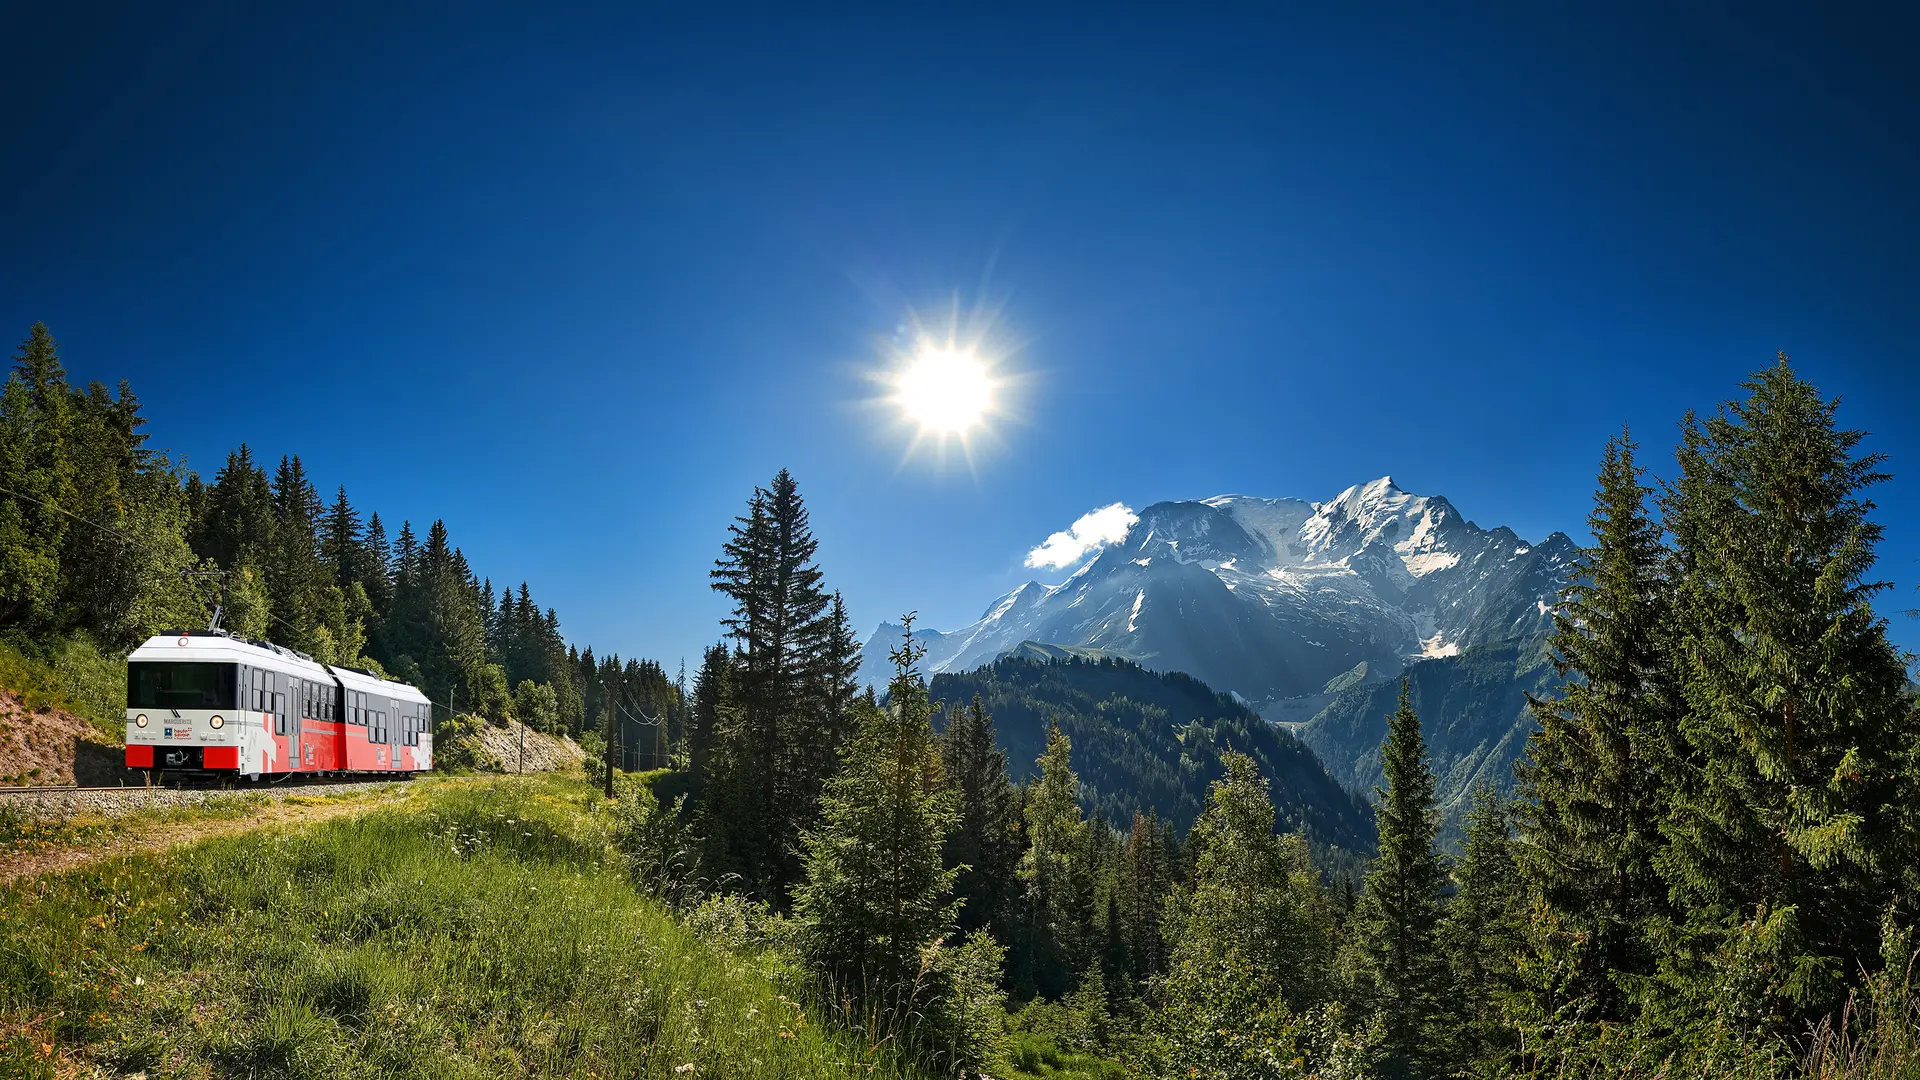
point(204, 701)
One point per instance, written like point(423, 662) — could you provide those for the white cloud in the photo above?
point(1094, 530)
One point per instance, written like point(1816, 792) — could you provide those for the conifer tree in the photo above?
point(985, 847)
point(773, 763)
point(1254, 893)
point(1146, 879)
point(1401, 970)
point(1787, 822)
point(377, 574)
point(35, 418)
point(121, 569)
point(1053, 954)
point(1591, 801)
point(712, 696)
point(1482, 932)
point(237, 529)
point(295, 574)
point(340, 548)
point(875, 895)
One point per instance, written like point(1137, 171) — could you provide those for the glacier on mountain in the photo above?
point(1271, 599)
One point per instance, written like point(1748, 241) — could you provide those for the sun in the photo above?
point(946, 389)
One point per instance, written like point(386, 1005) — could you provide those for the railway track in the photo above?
point(222, 784)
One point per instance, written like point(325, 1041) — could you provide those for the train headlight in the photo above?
point(216, 722)
point(141, 720)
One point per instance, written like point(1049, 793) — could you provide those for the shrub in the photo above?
point(457, 747)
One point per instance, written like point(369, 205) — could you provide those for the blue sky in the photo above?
point(576, 280)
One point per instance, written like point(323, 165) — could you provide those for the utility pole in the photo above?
point(611, 729)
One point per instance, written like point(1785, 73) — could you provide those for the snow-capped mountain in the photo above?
point(1272, 599)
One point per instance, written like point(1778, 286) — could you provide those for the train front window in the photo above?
point(155, 684)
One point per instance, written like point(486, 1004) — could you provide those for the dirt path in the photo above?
point(144, 837)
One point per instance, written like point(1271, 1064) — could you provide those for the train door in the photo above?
point(299, 704)
point(284, 726)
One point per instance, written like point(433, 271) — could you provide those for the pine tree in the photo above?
point(712, 698)
point(1146, 879)
point(1591, 800)
point(772, 765)
point(340, 548)
point(38, 474)
point(1482, 933)
point(1396, 922)
point(985, 847)
point(295, 573)
point(236, 531)
point(1787, 824)
point(377, 574)
point(874, 898)
point(1054, 953)
point(1255, 894)
point(121, 569)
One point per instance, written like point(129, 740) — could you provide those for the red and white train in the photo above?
point(202, 701)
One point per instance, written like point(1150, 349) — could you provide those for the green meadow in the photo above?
point(481, 929)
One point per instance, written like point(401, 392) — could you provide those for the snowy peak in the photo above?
point(1272, 597)
point(1188, 532)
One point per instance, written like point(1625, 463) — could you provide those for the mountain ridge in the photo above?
point(1274, 598)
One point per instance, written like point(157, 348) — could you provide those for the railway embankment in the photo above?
point(59, 803)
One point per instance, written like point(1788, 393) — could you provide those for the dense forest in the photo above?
point(1147, 740)
point(105, 541)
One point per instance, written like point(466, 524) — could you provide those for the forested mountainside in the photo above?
point(1473, 709)
point(1147, 740)
point(1308, 610)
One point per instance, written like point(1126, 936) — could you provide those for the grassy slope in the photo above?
point(71, 675)
point(476, 932)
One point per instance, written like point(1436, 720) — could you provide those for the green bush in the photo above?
point(457, 747)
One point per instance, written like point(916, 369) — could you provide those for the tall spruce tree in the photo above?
point(1402, 973)
point(295, 574)
point(768, 776)
point(876, 895)
point(1254, 894)
point(236, 530)
point(985, 847)
point(340, 548)
point(38, 473)
point(1146, 879)
point(1788, 823)
point(377, 574)
point(1591, 799)
point(1054, 948)
point(1482, 934)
